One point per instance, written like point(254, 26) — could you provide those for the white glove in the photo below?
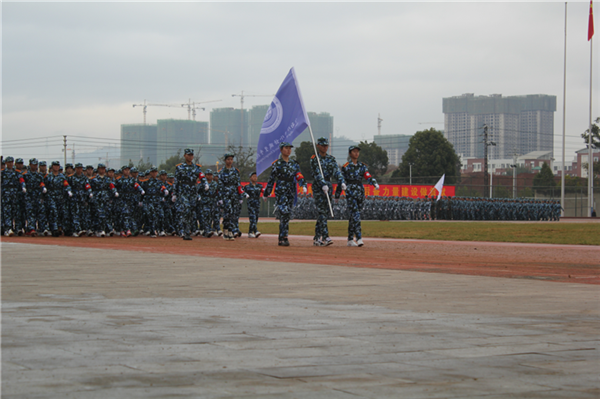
point(220, 202)
point(265, 198)
point(70, 194)
point(206, 187)
point(343, 186)
point(325, 189)
point(304, 190)
point(24, 190)
point(247, 196)
point(116, 195)
point(199, 198)
point(174, 198)
point(44, 190)
point(166, 192)
point(143, 192)
point(91, 195)
point(241, 201)
point(376, 186)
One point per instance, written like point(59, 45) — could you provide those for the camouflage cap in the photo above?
point(171, 175)
point(162, 172)
point(251, 173)
point(89, 167)
point(153, 169)
point(101, 165)
point(19, 160)
point(227, 155)
point(208, 172)
point(353, 147)
point(188, 151)
point(33, 161)
point(42, 163)
point(55, 163)
point(133, 169)
point(322, 141)
point(125, 167)
point(9, 159)
point(110, 169)
point(79, 165)
point(68, 165)
point(285, 144)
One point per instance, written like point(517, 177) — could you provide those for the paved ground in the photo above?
point(98, 323)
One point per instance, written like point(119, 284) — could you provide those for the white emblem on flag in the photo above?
point(273, 117)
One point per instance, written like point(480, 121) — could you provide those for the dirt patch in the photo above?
point(561, 263)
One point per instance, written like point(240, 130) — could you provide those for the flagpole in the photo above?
point(562, 177)
point(590, 151)
point(320, 168)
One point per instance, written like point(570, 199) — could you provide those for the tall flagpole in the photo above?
point(590, 150)
point(562, 177)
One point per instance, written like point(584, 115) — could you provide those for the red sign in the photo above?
point(395, 190)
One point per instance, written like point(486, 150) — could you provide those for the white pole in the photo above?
point(590, 151)
point(491, 182)
point(562, 177)
point(320, 168)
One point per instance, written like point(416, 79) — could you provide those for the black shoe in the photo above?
point(284, 243)
point(187, 237)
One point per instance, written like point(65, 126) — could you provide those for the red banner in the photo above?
point(395, 190)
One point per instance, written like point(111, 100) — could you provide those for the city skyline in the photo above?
point(76, 69)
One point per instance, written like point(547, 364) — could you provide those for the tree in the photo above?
point(375, 157)
point(302, 155)
point(244, 159)
point(143, 166)
point(431, 156)
point(595, 135)
point(171, 162)
point(544, 179)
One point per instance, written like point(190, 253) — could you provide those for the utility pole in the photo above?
point(379, 120)
point(486, 144)
point(514, 166)
point(65, 149)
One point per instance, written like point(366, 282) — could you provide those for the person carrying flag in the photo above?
point(286, 173)
point(353, 172)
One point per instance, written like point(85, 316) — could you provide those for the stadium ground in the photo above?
point(161, 318)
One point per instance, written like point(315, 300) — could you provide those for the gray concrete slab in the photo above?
point(86, 323)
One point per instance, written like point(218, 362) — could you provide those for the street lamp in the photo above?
point(410, 172)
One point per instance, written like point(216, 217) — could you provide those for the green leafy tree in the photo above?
point(544, 179)
point(171, 163)
point(375, 157)
point(431, 156)
point(595, 135)
point(302, 155)
point(142, 166)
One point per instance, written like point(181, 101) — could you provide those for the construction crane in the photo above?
point(241, 96)
point(191, 106)
point(152, 105)
point(379, 120)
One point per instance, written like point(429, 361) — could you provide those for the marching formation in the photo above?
point(447, 208)
point(38, 201)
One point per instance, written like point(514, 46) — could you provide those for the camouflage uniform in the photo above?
point(127, 202)
point(35, 206)
point(355, 195)
point(155, 191)
point(286, 175)
point(230, 194)
point(104, 190)
point(254, 192)
point(330, 169)
point(81, 188)
point(11, 183)
point(186, 176)
point(57, 186)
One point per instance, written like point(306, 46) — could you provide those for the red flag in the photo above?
point(591, 23)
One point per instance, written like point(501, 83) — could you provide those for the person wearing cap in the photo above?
point(354, 171)
point(21, 215)
point(323, 188)
point(82, 193)
point(254, 192)
point(155, 192)
point(138, 204)
point(35, 207)
point(187, 175)
point(11, 183)
point(58, 188)
point(125, 204)
point(286, 173)
point(170, 211)
point(230, 194)
point(166, 204)
point(104, 191)
point(208, 205)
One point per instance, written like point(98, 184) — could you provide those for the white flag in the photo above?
point(439, 186)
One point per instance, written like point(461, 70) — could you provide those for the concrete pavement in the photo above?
point(89, 323)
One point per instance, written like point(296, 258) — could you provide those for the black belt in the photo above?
point(354, 182)
point(287, 179)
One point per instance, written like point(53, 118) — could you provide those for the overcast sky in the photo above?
point(77, 68)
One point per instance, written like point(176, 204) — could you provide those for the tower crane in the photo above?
point(152, 105)
point(241, 96)
point(191, 106)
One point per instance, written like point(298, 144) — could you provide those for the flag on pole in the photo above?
point(285, 120)
point(591, 22)
point(439, 186)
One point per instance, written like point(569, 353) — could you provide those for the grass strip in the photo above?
point(534, 232)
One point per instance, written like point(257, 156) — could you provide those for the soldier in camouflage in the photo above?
point(254, 192)
point(186, 176)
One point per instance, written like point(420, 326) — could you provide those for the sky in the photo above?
point(76, 69)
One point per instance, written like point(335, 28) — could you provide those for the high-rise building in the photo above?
point(177, 134)
point(138, 141)
point(394, 144)
point(517, 124)
point(229, 126)
point(256, 118)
